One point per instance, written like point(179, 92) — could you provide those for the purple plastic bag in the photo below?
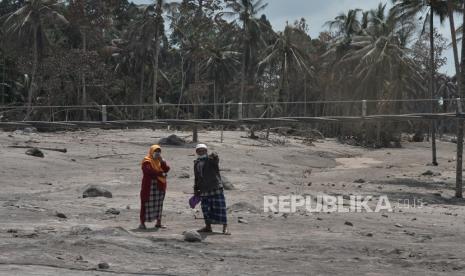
point(193, 201)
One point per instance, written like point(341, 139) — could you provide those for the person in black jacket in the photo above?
point(209, 187)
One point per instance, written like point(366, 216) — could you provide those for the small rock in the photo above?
point(184, 175)
point(103, 266)
point(128, 207)
point(431, 173)
point(12, 231)
point(360, 181)
point(369, 234)
point(95, 191)
point(309, 184)
point(79, 258)
point(398, 225)
point(192, 236)
point(271, 183)
point(384, 215)
point(242, 221)
point(35, 152)
point(61, 215)
point(112, 211)
point(414, 219)
point(319, 218)
point(348, 223)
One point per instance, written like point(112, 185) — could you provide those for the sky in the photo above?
point(317, 12)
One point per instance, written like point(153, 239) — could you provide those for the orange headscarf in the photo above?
point(155, 164)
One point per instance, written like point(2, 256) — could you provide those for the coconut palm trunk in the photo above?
point(458, 188)
point(141, 91)
point(156, 54)
point(35, 64)
point(454, 40)
point(84, 89)
point(432, 87)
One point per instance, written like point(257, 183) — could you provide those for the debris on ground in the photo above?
point(96, 191)
point(172, 140)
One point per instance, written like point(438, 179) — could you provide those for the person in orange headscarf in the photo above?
point(153, 188)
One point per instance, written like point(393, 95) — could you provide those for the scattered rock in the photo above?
point(80, 230)
point(243, 206)
point(128, 207)
point(61, 215)
point(384, 215)
point(95, 191)
point(103, 266)
point(172, 140)
point(35, 152)
point(348, 223)
point(398, 225)
point(112, 211)
point(319, 218)
point(369, 234)
point(309, 184)
point(12, 231)
point(431, 173)
point(192, 236)
point(360, 181)
point(241, 220)
point(184, 175)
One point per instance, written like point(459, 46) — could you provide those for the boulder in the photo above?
point(96, 191)
point(192, 236)
point(172, 140)
point(35, 152)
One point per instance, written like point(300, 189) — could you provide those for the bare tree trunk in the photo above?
point(432, 87)
point(33, 76)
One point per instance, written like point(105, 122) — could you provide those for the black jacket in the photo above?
point(209, 178)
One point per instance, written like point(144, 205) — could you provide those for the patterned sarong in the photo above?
point(214, 208)
point(154, 207)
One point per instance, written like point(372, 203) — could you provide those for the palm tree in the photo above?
point(290, 56)
point(246, 11)
point(409, 9)
point(220, 65)
point(346, 25)
point(27, 27)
